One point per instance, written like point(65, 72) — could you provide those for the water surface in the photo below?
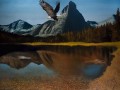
point(50, 61)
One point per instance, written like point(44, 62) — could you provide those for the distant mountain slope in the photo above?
point(109, 20)
point(19, 27)
point(20, 24)
point(92, 23)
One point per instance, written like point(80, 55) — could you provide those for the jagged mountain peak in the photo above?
point(19, 21)
point(20, 24)
point(70, 20)
point(71, 5)
point(18, 27)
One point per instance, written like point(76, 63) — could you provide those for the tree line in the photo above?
point(109, 32)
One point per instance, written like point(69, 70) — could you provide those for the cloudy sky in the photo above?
point(30, 11)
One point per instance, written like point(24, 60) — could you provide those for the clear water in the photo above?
point(32, 70)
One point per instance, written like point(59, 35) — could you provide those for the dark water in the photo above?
point(49, 61)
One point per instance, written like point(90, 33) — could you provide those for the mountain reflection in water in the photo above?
point(89, 62)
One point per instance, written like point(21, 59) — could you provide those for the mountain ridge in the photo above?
point(18, 27)
point(70, 20)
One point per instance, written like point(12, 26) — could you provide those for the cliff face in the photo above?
point(70, 20)
point(74, 20)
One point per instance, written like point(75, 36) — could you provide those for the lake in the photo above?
point(53, 62)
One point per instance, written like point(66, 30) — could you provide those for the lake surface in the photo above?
point(21, 61)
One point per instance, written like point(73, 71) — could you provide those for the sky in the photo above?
point(30, 10)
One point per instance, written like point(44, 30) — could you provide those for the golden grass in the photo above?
point(117, 44)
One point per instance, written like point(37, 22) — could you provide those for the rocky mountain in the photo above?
point(70, 20)
point(19, 27)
